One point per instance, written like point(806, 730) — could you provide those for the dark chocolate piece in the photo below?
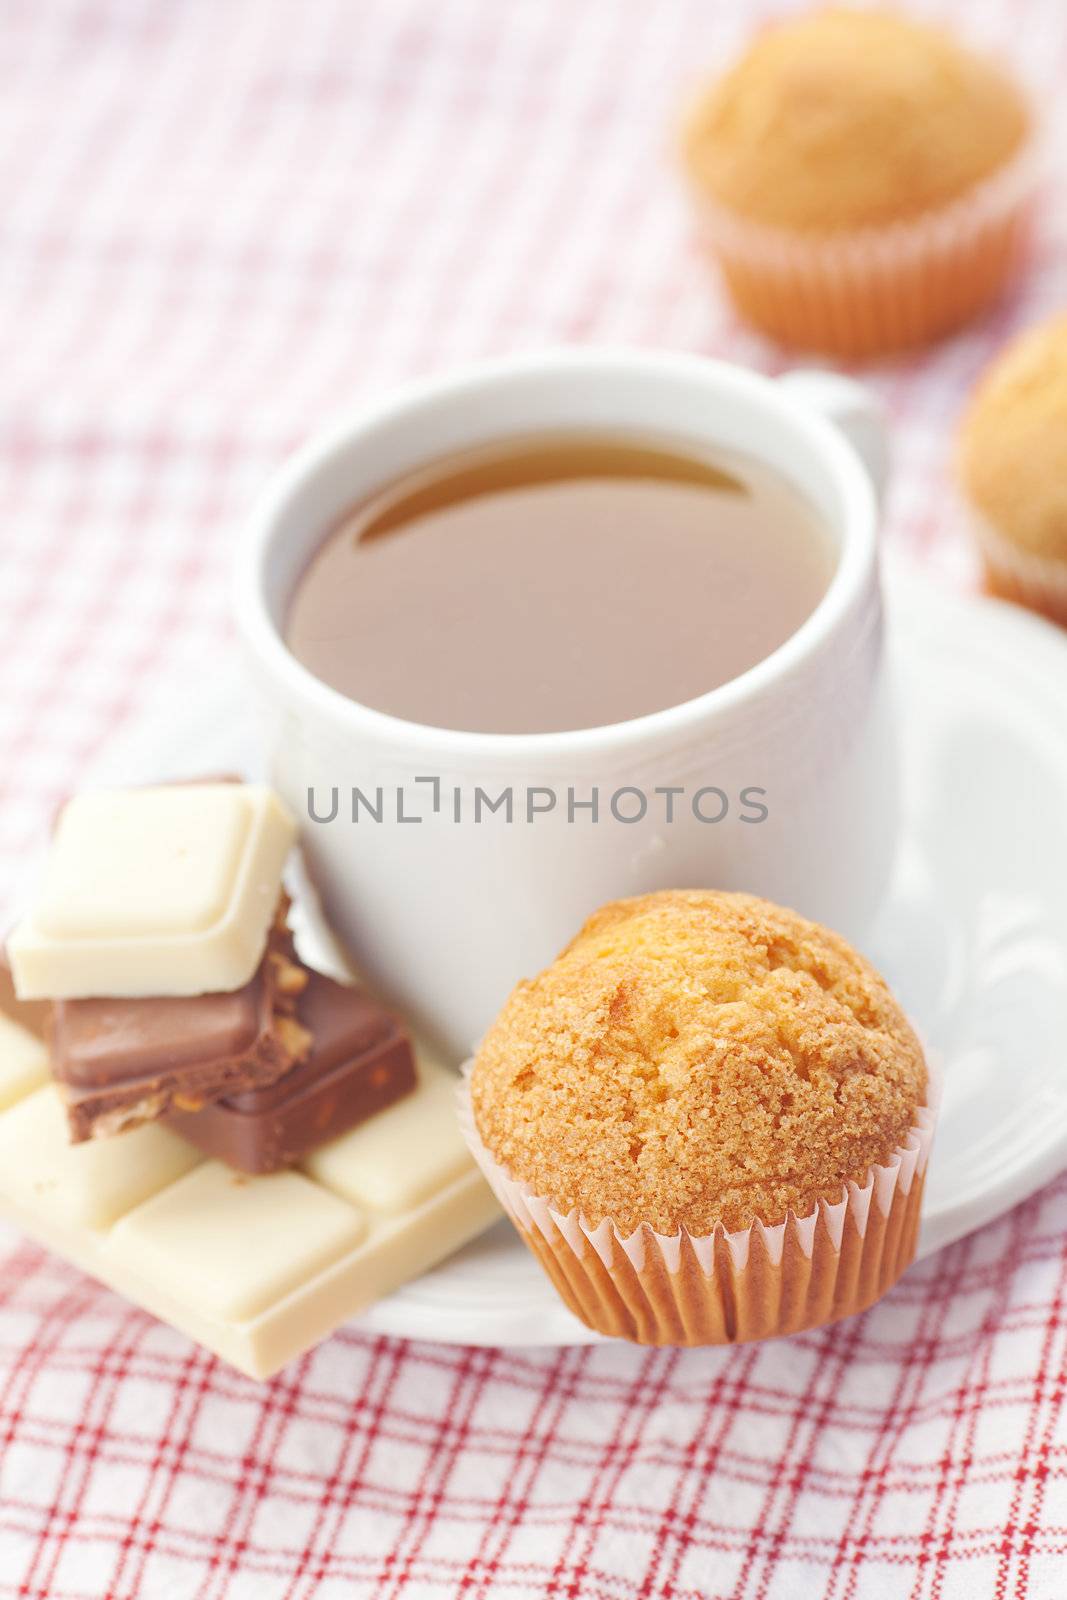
point(123, 1062)
point(360, 1062)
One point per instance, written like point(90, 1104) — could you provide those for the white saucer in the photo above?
point(973, 939)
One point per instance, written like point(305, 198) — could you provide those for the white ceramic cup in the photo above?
point(445, 915)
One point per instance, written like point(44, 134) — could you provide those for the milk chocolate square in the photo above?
point(360, 1061)
point(120, 1063)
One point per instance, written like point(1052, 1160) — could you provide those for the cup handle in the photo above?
point(854, 410)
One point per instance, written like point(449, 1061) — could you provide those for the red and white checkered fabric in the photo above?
point(220, 223)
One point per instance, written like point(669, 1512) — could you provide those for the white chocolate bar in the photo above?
point(363, 1166)
point(167, 891)
point(236, 1245)
point(255, 1269)
point(86, 1185)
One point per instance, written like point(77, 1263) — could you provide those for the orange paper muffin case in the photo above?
point(1022, 576)
point(877, 290)
point(726, 1287)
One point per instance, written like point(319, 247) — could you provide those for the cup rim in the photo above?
point(264, 640)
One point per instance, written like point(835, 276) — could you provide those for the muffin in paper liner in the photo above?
point(726, 1287)
point(874, 290)
point(1009, 472)
point(1023, 576)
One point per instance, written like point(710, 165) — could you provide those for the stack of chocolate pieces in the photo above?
point(161, 939)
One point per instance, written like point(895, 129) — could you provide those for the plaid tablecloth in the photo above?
point(221, 222)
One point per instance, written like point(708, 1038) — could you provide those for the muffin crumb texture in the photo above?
point(694, 1058)
point(847, 119)
point(1014, 440)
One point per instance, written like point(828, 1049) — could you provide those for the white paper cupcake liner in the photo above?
point(873, 290)
point(728, 1285)
point(1021, 575)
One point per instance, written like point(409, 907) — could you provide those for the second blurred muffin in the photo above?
point(1013, 470)
point(863, 180)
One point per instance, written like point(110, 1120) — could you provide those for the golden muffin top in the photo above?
point(1013, 442)
point(850, 119)
point(693, 1058)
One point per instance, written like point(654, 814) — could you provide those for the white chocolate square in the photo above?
point(401, 1156)
point(145, 861)
point(167, 891)
point(235, 1244)
point(23, 1062)
point(85, 1185)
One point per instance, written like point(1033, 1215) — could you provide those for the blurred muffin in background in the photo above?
point(1013, 470)
point(863, 181)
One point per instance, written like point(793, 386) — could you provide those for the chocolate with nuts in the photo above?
point(360, 1061)
point(122, 1062)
